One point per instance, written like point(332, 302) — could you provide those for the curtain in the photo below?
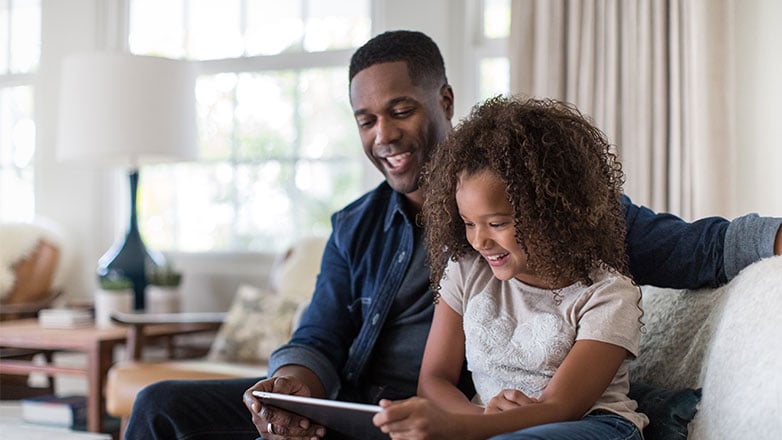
point(654, 75)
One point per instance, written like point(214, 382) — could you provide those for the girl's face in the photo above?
point(489, 225)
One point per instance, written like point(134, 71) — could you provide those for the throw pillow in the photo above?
point(669, 411)
point(257, 322)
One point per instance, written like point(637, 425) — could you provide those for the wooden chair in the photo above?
point(31, 292)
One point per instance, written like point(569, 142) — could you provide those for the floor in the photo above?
point(12, 427)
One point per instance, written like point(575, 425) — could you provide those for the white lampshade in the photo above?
point(121, 109)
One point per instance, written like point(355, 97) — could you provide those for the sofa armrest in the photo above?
point(206, 321)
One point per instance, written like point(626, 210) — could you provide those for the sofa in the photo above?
point(710, 354)
point(707, 363)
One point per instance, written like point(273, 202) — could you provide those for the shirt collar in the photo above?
point(395, 208)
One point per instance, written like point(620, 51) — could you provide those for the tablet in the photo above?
point(353, 420)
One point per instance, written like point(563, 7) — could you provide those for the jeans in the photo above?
point(601, 426)
point(192, 410)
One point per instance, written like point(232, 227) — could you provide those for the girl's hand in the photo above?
point(416, 418)
point(508, 399)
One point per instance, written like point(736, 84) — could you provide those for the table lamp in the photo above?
point(126, 110)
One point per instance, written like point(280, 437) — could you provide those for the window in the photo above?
point(20, 42)
point(490, 48)
point(278, 146)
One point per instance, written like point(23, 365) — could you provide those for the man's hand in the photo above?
point(508, 399)
point(274, 423)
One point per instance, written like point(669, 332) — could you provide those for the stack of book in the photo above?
point(60, 411)
point(65, 318)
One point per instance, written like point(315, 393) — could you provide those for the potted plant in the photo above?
point(162, 293)
point(115, 294)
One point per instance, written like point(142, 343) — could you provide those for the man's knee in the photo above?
point(160, 396)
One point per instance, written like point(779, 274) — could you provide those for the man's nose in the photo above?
point(386, 132)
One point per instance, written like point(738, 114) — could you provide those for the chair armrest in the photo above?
point(136, 321)
point(29, 309)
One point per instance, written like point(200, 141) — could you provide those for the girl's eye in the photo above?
point(497, 225)
point(468, 225)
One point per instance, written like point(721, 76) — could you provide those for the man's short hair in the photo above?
point(423, 58)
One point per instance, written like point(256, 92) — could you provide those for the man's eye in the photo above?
point(402, 113)
point(364, 123)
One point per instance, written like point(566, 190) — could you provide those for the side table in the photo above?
point(96, 342)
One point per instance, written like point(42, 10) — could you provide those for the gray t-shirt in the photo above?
point(517, 335)
point(396, 358)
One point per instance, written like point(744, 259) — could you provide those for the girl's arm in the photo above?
point(443, 360)
point(578, 383)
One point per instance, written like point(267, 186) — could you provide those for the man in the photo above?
point(364, 333)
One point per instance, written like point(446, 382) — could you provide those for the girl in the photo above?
point(525, 238)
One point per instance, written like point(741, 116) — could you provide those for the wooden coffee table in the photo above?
point(97, 343)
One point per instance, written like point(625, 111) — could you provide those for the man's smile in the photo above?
point(398, 160)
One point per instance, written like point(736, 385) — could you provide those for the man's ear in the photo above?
point(446, 100)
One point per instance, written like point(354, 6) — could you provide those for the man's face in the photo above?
point(399, 123)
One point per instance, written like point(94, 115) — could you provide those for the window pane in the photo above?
point(25, 36)
point(17, 149)
point(495, 77)
point(336, 25)
point(4, 24)
point(273, 27)
point(265, 115)
point(156, 28)
point(496, 19)
point(216, 101)
point(213, 29)
point(326, 120)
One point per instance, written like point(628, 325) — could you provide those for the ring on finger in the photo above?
point(270, 428)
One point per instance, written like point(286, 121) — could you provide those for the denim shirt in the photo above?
point(371, 245)
point(363, 265)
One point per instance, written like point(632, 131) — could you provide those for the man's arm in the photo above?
point(325, 334)
point(666, 251)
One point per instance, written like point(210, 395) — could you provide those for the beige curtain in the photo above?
point(653, 75)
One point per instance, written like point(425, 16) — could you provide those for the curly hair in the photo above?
point(562, 181)
point(424, 60)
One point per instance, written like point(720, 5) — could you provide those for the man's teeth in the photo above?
point(495, 257)
point(397, 159)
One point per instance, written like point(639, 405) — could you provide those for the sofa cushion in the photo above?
point(742, 389)
point(257, 322)
point(678, 328)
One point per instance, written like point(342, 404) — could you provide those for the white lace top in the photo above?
point(517, 335)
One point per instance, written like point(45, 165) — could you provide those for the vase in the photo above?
point(110, 301)
point(162, 299)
